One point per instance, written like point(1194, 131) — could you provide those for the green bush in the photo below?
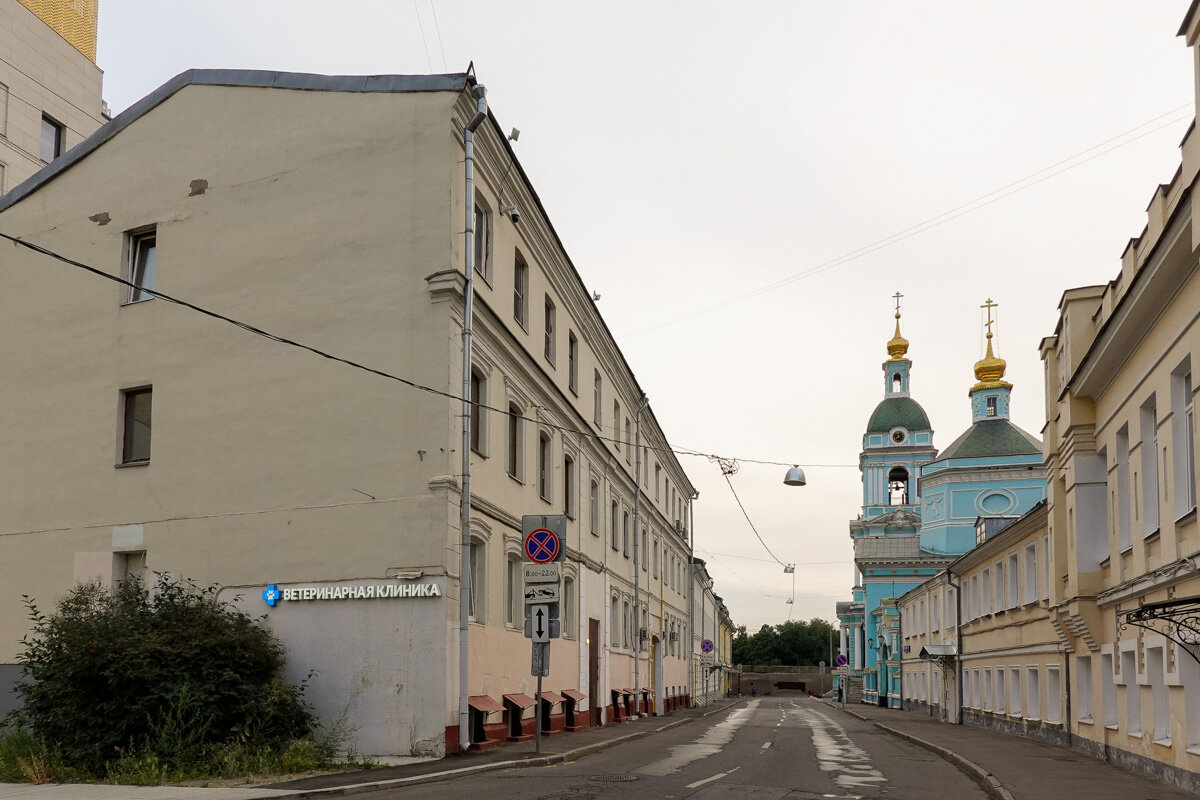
point(159, 677)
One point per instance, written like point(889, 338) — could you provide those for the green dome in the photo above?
point(898, 412)
point(992, 437)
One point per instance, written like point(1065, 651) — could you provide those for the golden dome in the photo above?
point(898, 345)
point(989, 370)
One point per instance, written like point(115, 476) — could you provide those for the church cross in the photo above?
point(897, 295)
point(989, 305)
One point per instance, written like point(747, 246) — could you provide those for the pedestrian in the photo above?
point(754, 691)
point(839, 695)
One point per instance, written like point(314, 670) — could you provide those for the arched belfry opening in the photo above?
point(898, 486)
point(897, 382)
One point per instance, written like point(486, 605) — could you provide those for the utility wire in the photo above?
point(438, 30)
point(748, 522)
point(680, 451)
point(1030, 180)
point(424, 41)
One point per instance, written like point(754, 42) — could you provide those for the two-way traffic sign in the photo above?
point(540, 615)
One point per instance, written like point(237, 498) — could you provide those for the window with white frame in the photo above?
point(625, 533)
point(570, 624)
point(1012, 574)
point(657, 480)
point(645, 552)
point(1031, 572)
point(569, 487)
point(1014, 691)
point(516, 442)
point(1183, 439)
point(1189, 674)
point(1124, 494)
point(514, 595)
point(521, 291)
point(136, 419)
point(597, 398)
point(987, 688)
point(1054, 694)
point(998, 571)
point(141, 256)
point(573, 362)
point(626, 624)
point(1044, 572)
point(594, 508)
point(477, 590)
point(629, 442)
point(986, 592)
point(550, 347)
point(951, 611)
point(483, 239)
point(1133, 693)
point(613, 522)
point(479, 398)
point(1081, 697)
point(999, 675)
point(1156, 677)
point(1149, 462)
point(1108, 691)
point(1033, 693)
point(654, 573)
point(614, 622)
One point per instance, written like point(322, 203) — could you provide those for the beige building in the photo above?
point(150, 438)
point(49, 83)
point(1005, 661)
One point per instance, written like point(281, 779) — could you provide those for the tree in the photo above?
point(793, 643)
point(109, 667)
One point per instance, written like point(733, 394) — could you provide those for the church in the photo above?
point(922, 509)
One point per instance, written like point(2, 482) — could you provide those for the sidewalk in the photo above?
point(555, 749)
point(1012, 767)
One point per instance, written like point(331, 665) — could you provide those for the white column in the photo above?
point(842, 641)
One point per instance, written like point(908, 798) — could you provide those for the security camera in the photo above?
point(513, 212)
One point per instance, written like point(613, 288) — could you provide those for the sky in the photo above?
point(747, 185)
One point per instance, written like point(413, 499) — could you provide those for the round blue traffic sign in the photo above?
point(707, 645)
point(541, 546)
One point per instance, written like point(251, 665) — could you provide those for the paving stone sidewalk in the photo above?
point(1024, 769)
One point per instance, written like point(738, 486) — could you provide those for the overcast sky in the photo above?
point(709, 167)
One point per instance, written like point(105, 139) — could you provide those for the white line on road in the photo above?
point(716, 777)
point(766, 745)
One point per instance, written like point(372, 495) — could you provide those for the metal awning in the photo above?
point(575, 695)
point(1178, 620)
point(552, 697)
point(481, 702)
point(939, 651)
point(520, 700)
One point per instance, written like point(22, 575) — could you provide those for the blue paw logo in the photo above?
point(272, 594)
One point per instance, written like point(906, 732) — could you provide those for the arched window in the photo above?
point(898, 486)
point(614, 624)
point(612, 521)
point(897, 382)
point(516, 443)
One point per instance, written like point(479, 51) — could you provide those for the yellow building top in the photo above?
point(898, 346)
point(989, 370)
point(74, 20)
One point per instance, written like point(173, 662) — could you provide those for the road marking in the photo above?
point(766, 745)
point(709, 743)
point(716, 777)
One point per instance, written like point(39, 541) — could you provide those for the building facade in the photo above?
point(49, 83)
point(319, 495)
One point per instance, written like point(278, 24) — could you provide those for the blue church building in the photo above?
point(922, 509)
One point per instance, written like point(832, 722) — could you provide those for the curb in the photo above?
point(986, 780)
point(434, 777)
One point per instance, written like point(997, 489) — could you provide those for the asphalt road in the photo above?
point(767, 749)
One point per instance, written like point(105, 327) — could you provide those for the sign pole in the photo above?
point(537, 743)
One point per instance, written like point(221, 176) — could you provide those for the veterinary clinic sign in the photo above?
point(273, 594)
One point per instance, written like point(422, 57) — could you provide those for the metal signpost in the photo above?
point(843, 671)
point(542, 551)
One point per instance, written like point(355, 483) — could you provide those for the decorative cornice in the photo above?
point(1161, 578)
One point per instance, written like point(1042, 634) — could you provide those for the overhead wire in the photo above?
point(982, 201)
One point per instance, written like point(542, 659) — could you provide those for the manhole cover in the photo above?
point(613, 778)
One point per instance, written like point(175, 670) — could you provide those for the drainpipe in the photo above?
point(958, 623)
point(637, 538)
point(464, 583)
point(692, 599)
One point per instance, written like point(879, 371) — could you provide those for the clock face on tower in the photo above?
point(898, 436)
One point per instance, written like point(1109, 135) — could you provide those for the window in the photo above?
point(1030, 573)
point(625, 534)
point(478, 401)
point(654, 574)
point(573, 363)
point(549, 349)
point(898, 486)
point(1156, 677)
point(483, 239)
point(987, 689)
point(1033, 694)
point(1183, 440)
point(544, 466)
point(645, 553)
point(597, 397)
point(129, 565)
point(1054, 698)
point(986, 607)
point(52, 139)
point(1189, 674)
point(569, 624)
point(477, 590)
point(629, 442)
point(1133, 693)
point(657, 479)
point(569, 486)
point(617, 425)
point(613, 623)
point(612, 523)
point(625, 624)
point(3, 115)
point(516, 443)
point(594, 509)
point(998, 571)
point(135, 444)
point(991, 406)
point(139, 271)
point(1108, 690)
point(1149, 459)
point(521, 292)
point(513, 594)
point(1124, 503)
point(1014, 691)
point(1082, 696)
point(1000, 690)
